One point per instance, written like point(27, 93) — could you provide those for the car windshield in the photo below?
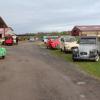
point(70, 39)
point(88, 41)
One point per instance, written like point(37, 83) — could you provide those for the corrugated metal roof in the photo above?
point(2, 23)
point(89, 28)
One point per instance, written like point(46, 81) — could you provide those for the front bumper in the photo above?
point(78, 57)
point(68, 48)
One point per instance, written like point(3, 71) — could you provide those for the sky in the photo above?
point(49, 15)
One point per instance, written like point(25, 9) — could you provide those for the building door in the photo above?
point(0, 35)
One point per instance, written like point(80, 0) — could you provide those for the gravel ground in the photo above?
point(30, 72)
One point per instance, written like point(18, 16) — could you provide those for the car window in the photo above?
point(62, 39)
point(70, 39)
point(88, 41)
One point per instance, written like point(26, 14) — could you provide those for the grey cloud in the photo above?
point(49, 15)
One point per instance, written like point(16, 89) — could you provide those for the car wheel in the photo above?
point(3, 57)
point(61, 50)
point(65, 50)
point(3, 43)
point(97, 58)
point(74, 59)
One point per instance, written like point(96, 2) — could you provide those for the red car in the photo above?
point(8, 40)
point(53, 43)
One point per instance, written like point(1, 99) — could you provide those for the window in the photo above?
point(88, 41)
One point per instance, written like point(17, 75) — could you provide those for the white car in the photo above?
point(89, 49)
point(67, 43)
point(32, 39)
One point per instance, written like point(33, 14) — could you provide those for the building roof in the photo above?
point(88, 28)
point(2, 23)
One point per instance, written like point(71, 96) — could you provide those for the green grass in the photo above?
point(93, 68)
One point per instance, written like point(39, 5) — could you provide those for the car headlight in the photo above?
point(75, 50)
point(93, 52)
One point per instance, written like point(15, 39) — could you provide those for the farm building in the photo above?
point(4, 29)
point(91, 30)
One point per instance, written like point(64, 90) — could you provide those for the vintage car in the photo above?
point(46, 38)
point(2, 52)
point(8, 40)
point(31, 39)
point(89, 49)
point(53, 43)
point(67, 43)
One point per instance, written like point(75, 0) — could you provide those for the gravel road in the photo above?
point(30, 72)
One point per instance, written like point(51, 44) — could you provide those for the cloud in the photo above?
point(49, 15)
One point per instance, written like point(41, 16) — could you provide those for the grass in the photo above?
point(93, 68)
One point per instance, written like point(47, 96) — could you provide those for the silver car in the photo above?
point(89, 49)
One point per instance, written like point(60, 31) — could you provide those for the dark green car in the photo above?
point(2, 52)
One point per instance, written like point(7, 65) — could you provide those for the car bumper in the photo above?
point(68, 49)
point(84, 58)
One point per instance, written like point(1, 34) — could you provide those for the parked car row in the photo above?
point(88, 47)
point(9, 40)
point(33, 39)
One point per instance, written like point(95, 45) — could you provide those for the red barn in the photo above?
point(89, 30)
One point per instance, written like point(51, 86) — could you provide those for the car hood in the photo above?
point(70, 42)
point(86, 47)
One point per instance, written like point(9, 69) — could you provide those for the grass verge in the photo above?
point(93, 68)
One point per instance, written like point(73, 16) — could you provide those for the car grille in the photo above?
point(83, 53)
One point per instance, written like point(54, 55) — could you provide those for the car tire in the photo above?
point(3, 43)
point(3, 57)
point(65, 50)
point(97, 58)
point(74, 59)
point(61, 50)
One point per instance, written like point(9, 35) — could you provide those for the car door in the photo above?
point(62, 43)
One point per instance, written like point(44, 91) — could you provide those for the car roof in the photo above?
point(67, 36)
point(88, 37)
